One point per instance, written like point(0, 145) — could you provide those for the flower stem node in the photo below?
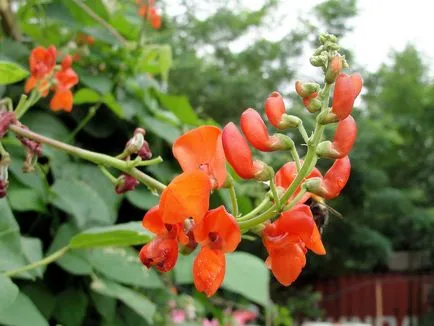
point(306, 89)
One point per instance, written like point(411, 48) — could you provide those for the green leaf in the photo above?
point(11, 73)
point(136, 301)
point(43, 299)
point(142, 198)
point(180, 106)
point(86, 95)
point(126, 234)
point(22, 313)
point(101, 83)
point(73, 261)
point(71, 307)
point(25, 200)
point(165, 61)
point(256, 286)
point(82, 202)
point(161, 129)
point(123, 265)
point(113, 105)
point(32, 248)
point(106, 306)
point(8, 292)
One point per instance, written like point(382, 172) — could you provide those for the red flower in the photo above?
point(201, 148)
point(285, 242)
point(286, 175)
point(66, 78)
point(218, 233)
point(343, 141)
point(275, 109)
point(149, 12)
point(238, 153)
point(256, 132)
point(42, 61)
point(186, 196)
point(347, 88)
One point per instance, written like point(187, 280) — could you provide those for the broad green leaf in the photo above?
point(106, 306)
point(136, 301)
point(74, 261)
point(165, 61)
point(32, 248)
point(11, 73)
point(46, 124)
point(180, 106)
point(81, 201)
point(161, 129)
point(256, 286)
point(113, 105)
point(26, 199)
point(11, 250)
point(8, 293)
point(142, 198)
point(86, 95)
point(126, 234)
point(82, 16)
point(122, 264)
point(71, 307)
point(101, 82)
point(41, 296)
point(22, 313)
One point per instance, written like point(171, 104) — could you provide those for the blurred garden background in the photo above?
point(206, 62)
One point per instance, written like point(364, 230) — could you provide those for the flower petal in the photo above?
point(315, 243)
point(161, 253)
point(286, 264)
point(153, 222)
point(62, 100)
point(209, 270)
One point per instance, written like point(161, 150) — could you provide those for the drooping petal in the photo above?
point(336, 178)
point(274, 109)
point(219, 230)
point(66, 79)
point(62, 100)
point(315, 243)
point(209, 270)
point(161, 253)
point(287, 264)
point(186, 196)
point(201, 148)
point(292, 226)
point(153, 222)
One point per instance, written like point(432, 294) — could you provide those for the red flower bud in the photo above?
point(256, 132)
point(6, 119)
point(334, 68)
point(346, 90)
point(275, 108)
point(306, 89)
point(343, 140)
point(126, 183)
point(3, 188)
point(238, 153)
point(145, 152)
point(312, 103)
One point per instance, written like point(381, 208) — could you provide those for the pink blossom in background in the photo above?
point(207, 322)
point(178, 316)
point(243, 316)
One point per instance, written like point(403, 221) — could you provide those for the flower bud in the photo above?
point(312, 103)
point(145, 152)
point(334, 68)
point(239, 155)
point(275, 108)
point(289, 121)
point(346, 90)
point(257, 134)
point(6, 119)
point(343, 140)
point(125, 183)
point(135, 144)
point(306, 89)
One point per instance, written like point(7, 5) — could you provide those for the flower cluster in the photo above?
point(148, 11)
point(286, 223)
point(46, 76)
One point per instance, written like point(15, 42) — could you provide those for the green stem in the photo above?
point(20, 106)
point(154, 161)
point(97, 158)
point(303, 132)
point(296, 199)
point(268, 214)
point(263, 205)
point(275, 193)
point(296, 158)
point(109, 176)
point(34, 97)
point(234, 201)
point(90, 114)
point(8, 103)
point(47, 260)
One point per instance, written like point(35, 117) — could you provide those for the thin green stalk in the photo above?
point(296, 199)
point(268, 214)
point(47, 260)
point(139, 162)
point(303, 132)
point(109, 176)
point(34, 97)
point(234, 201)
point(90, 114)
point(296, 158)
point(4, 155)
point(97, 158)
point(263, 205)
point(275, 193)
point(8, 103)
point(20, 106)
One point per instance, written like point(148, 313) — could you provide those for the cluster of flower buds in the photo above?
point(148, 11)
point(46, 75)
point(287, 226)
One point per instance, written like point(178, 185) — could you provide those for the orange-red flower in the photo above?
point(41, 63)
point(202, 149)
point(66, 78)
point(347, 88)
point(238, 153)
point(148, 11)
point(285, 241)
point(343, 141)
point(275, 109)
point(186, 196)
point(256, 132)
point(218, 233)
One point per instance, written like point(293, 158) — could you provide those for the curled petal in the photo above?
point(315, 243)
point(287, 264)
point(161, 253)
point(201, 148)
point(237, 151)
point(256, 132)
point(219, 230)
point(275, 108)
point(62, 100)
point(153, 222)
point(209, 270)
point(186, 196)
